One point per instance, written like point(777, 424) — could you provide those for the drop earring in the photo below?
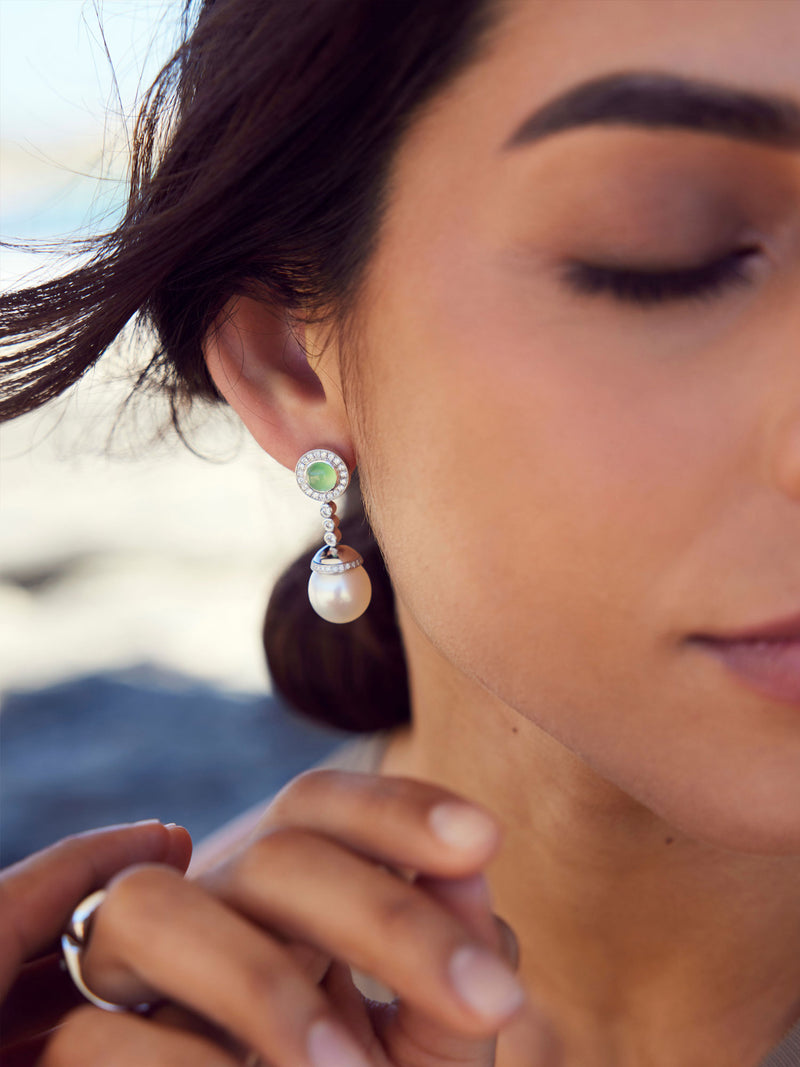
point(339, 588)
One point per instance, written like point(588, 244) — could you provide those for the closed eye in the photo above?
point(635, 286)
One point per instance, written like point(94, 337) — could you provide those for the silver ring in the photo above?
point(73, 942)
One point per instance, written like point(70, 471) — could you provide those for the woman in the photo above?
point(533, 268)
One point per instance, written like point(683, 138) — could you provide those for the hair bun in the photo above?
point(352, 676)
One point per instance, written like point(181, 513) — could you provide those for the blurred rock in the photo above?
point(140, 744)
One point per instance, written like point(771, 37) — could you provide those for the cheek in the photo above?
point(557, 509)
point(522, 475)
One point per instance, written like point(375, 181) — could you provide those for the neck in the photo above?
point(642, 944)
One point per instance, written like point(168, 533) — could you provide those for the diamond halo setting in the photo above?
point(320, 457)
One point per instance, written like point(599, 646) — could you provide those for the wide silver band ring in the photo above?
point(73, 941)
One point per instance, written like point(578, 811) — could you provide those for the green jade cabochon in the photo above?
point(321, 476)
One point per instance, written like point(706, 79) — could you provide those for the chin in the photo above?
point(756, 812)
point(725, 771)
point(776, 834)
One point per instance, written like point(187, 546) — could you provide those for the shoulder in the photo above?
point(363, 754)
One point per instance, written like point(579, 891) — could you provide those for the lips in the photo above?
point(765, 657)
point(787, 627)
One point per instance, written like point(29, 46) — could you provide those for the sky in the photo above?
point(59, 106)
point(158, 557)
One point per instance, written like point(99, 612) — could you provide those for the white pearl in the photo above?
point(340, 597)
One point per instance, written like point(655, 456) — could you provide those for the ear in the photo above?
point(258, 363)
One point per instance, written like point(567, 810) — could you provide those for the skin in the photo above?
point(636, 479)
point(251, 950)
point(37, 896)
point(565, 488)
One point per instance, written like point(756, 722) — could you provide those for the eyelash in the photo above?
point(645, 288)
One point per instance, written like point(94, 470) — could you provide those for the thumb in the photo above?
point(412, 1037)
point(38, 894)
point(469, 899)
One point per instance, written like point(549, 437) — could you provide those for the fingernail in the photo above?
point(473, 891)
point(484, 983)
point(148, 822)
point(171, 825)
point(331, 1046)
point(462, 826)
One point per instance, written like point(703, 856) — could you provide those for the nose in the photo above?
point(780, 366)
point(786, 454)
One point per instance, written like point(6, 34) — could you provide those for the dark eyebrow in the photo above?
point(657, 101)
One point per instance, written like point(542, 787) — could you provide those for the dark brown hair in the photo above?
point(260, 163)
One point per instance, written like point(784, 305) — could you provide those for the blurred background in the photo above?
point(134, 574)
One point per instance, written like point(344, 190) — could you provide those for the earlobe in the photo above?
point(258, 363)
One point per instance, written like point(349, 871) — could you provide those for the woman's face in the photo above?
point(571, 486)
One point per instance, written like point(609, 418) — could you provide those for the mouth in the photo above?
point(766, 658)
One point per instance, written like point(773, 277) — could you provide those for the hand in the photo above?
point(37, 897)
point(258, 948)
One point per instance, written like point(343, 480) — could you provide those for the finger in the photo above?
point(159, 935)
point(311, 889)
point(467, 898)
point(175, 1017)
point(399, 821)
point(93, 1038)
point(470, 900)
point(38, 894)
point(404, 1030)
point(353, 1009)
point(530, 1030)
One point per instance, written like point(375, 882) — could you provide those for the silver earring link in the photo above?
point(339, 588)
